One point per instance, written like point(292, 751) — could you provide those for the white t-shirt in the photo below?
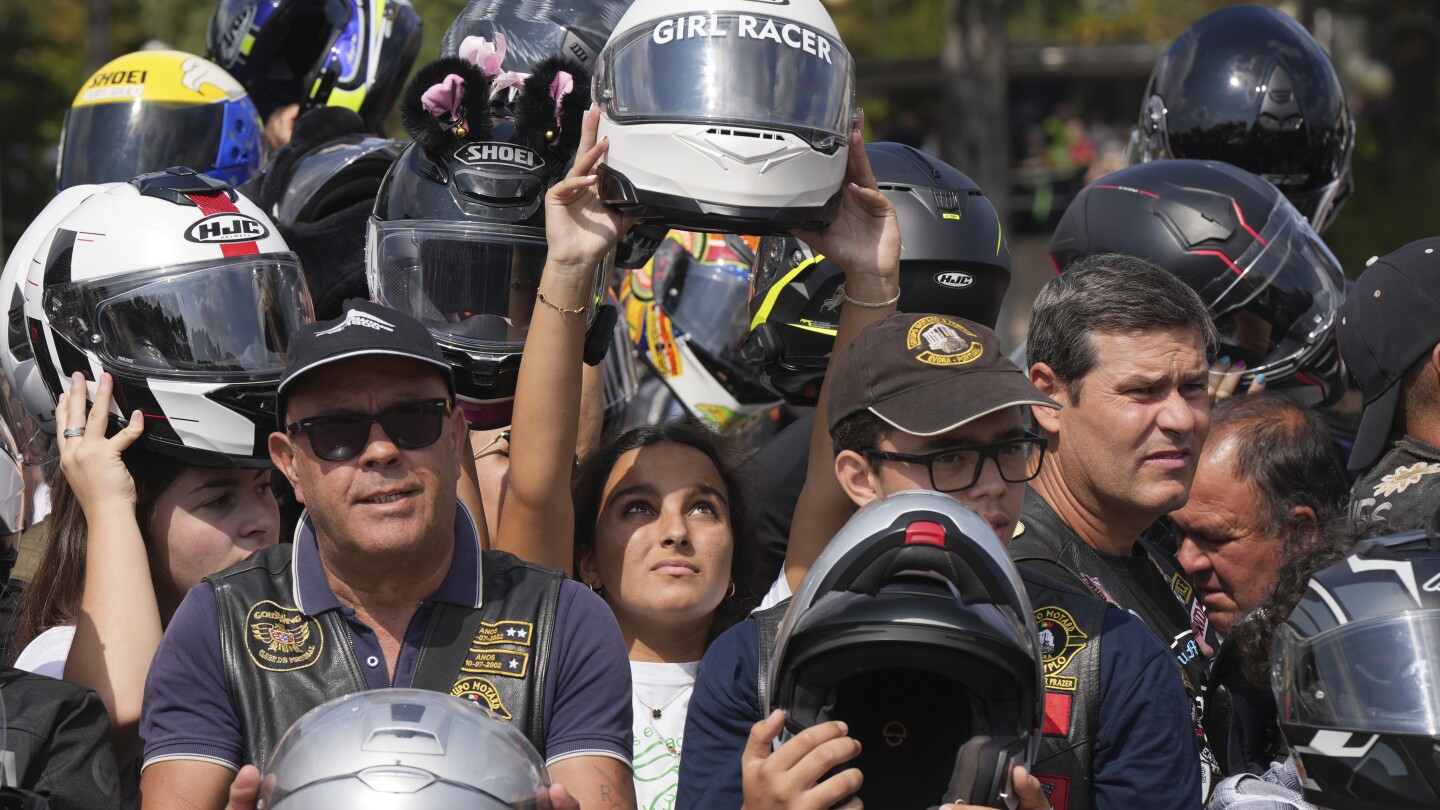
point(666, 687)
point(47, 653)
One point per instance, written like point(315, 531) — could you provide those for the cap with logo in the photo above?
point(364, 329)
point(1389, 320)
point(926, 375)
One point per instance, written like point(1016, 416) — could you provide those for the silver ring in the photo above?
point(71, 433)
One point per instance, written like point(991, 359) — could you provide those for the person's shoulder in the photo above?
point(272, 560)
point(32, 701)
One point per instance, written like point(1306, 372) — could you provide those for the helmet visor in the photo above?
point(470, 283)
point(731, 68)
point(1380, 675)
point(708, 299)
point(1280, 296)
point(107, 143)
point(228, 321)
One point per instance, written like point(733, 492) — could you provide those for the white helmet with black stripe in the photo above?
point(1356, 676)
point(29, 407)
point(183, 290)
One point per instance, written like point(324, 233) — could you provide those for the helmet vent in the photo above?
point(745, 133)
point(947, 200)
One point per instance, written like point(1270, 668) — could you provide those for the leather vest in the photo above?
point(280, 663)
point(1042, 537)
point(1069, 624)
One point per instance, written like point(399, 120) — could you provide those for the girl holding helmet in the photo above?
point(174, 296)
point(656, 520)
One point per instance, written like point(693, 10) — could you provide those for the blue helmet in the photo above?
point(340, 53)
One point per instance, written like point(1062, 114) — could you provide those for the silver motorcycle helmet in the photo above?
point(914, 627)
point(403, 749)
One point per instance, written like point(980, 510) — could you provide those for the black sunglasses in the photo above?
point(958, 468)
point(341, 436)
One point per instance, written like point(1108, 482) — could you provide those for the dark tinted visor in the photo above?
point(110, 143)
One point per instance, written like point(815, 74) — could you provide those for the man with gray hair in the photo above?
point(1268, 480)
point(1125, 348)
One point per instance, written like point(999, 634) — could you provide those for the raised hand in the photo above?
point(864, 239)
point(580, 229)
point(92, 463)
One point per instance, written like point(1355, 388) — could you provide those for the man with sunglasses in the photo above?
point(385, 585)
point(923, 401)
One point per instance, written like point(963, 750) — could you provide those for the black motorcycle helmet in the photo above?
point(914, 628)
point(1249, 86)
point(340, 53)
point(457, 238)
point(1356, 675)
point(1269, 282)
point(954, 261)
point(536, 30)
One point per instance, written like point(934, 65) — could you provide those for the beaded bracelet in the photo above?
point(562, 310)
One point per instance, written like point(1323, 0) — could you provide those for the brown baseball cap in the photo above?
point(926, 374)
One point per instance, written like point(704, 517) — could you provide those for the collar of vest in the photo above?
point(465, 588)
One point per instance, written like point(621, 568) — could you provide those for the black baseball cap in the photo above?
point(1388, 321)
point(926, 374)
point(364, 328)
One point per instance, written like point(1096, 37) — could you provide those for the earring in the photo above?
point(731, 592)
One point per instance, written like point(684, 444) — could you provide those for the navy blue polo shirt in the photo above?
point(187, 712)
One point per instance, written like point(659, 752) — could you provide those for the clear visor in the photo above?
point(105, 143)
point(232, 320)
point(1281, 295)
point(709, 301)
point(472, 283)
point(731, 68)
point(1379, 675)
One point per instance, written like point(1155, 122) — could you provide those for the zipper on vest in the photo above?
point(402, 642)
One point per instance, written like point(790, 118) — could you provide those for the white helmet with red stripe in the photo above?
point(183, 290)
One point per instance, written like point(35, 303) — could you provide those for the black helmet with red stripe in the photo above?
point(1271, 285)
point(184, 292)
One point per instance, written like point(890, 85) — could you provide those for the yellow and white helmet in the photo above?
point(149, 110)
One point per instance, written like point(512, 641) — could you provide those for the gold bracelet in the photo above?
point(562, 310)
point(868, 304)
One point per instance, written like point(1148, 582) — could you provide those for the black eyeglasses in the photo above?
point(341, 436)
point(958, 468)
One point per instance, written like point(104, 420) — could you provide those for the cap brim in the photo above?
point(1374, 431)
point(325, 361)
point(958, 400)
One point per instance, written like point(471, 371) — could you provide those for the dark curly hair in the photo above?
point(1254, 635)
point(588, 489)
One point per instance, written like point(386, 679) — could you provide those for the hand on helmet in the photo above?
point(864, 240)
point(789, 778)
point(92, 463)
point(1225, 378)
point(579, 228)
point(1027, 789)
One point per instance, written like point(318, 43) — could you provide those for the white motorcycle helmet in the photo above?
point(184, 292)
point(725, 117)
point(29, 407)
point(403, 749)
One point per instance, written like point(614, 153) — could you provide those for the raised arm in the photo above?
point(864, 240)
point(538, 523)
point(118, 627)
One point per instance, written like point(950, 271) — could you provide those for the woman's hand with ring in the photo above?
point(92, 463)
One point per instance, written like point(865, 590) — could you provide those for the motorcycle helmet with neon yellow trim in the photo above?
point(685, 310)
point(354, 54)
point(148, 110)
point(953, 260)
